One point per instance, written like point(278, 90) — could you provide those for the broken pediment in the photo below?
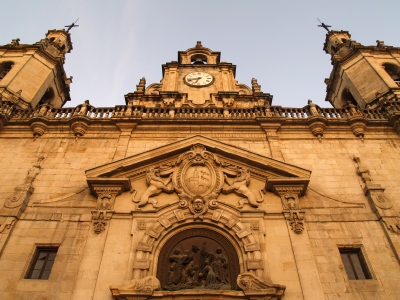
point(198, 173)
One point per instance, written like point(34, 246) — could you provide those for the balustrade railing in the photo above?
point(127, 111)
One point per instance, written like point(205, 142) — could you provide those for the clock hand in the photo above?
point(194, 78)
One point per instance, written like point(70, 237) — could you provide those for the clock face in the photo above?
point(199, 79)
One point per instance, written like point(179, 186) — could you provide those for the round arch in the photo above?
point(48, 97)
point(171, 223)
point(347, 97)
point(175, 231)
point(5, 67)
point(392, 70)
point(185, 257)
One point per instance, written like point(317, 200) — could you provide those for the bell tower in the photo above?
point(362, 75)
point(32, 75)
point(198, 79)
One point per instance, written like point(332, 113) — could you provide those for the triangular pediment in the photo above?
point(271, 169)
point(273, 166)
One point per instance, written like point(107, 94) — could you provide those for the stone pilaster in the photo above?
point(123, 141)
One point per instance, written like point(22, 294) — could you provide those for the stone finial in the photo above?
point(68, 81)
point(199, 45)
point(141, 86)
point(14, 42)
point(255, 86)
point(380, 44)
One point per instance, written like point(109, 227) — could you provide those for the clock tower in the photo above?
point(199, 79)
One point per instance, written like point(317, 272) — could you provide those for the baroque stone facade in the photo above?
point(199, 187)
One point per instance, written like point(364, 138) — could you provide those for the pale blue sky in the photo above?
point(276, 42)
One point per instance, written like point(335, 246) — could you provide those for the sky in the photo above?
point(277, 42)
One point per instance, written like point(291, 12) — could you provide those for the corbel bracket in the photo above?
point(290, 189)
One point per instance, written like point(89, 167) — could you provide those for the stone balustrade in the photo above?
point(8, 109)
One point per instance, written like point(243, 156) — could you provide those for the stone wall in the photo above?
point(309, 264)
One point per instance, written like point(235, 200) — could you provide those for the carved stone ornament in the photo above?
point(142, 226)
point(296, 222)
point(258, 288)
point(145, 285)
point(255, 226)
point(198, 259)
point(6, 224)
point(105, 203)
point(155, 187)
point(392, 224)
point(239, 186)
point(22, 192)
point(197, 176)
point(291, 207)
point(38, 129)
point(381, 200)
point(362, 171)
point(20, 195)
point(375, 192)
point(100, 218)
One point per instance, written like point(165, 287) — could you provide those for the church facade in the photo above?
point(199, 187)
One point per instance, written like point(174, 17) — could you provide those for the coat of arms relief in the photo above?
point(198, 177)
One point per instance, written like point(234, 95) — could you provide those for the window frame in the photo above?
point(362, 258)
point(34, 259)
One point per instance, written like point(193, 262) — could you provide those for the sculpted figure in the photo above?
point(84, 108)
point(177, 264)
point(211, 278)
point(171, 275)
point(219, 266)
point(155, 187)
point(239, 186)
point(313, 108)
point(188, 274)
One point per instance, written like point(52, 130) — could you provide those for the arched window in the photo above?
point(198, 59)
point(347, 97)
point(393, 71)
point(5, 67)
point(47, 97)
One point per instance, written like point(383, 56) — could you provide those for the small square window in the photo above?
point(42, 263)
point(355, 264)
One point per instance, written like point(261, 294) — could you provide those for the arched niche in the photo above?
point(5, 67)
point(393, 71)
point(199, 59)
point(48, 97)
point(198, 258)
point(347, 97)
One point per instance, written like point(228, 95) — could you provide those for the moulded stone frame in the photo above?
point(365, 256)
point(227, 245)
point(222, 225)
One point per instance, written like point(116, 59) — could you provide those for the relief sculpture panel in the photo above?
point(198, 177)
point(198, 259)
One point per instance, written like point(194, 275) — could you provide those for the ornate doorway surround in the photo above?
point(196, 198)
